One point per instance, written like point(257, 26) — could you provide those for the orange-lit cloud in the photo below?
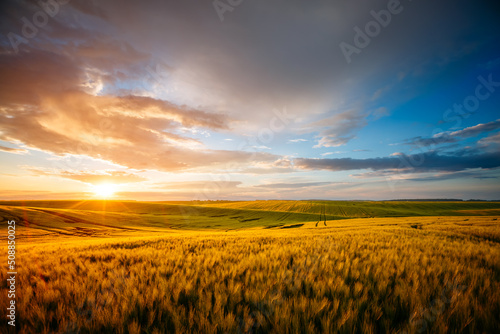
point(198, 185)
point(46, 104)
point(13, 150)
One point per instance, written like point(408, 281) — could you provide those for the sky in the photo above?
point(244, 100)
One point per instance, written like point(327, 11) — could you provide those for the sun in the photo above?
point(104, 190)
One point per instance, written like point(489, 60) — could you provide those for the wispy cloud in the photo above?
point(455, 136)
point(293, 185)
point(380, 112)
point(13, 150)
point(340, 128)
point(430, 176)
point(490, 143)
point(90, 177)
point(330, 153)
point(476, 174)
point(196, 185)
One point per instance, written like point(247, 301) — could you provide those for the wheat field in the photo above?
point(371, 275)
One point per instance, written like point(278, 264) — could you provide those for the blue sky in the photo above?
point(165, 100)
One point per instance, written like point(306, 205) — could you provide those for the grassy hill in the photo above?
point(98, 218)
point(368, 209)
point(101, 218)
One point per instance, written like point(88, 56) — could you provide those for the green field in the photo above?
point(255, 267)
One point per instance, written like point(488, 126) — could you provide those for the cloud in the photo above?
point(477, 130)
point(45, 106)
point(197, 185)
point(330, 153)
point(89, 83)
point(425, 176)
point(377, 174)
point(379, 92)
point(490, 143)
point(93, 177)
point(476, 174)
point(192, 190)
point(299, 140)
point(455, 136)
point(340, 128)
point(293, 185)
point(238, 61)
point(380, 112)
point(416, 163)
point(13, 150)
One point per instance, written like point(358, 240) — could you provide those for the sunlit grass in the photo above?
point(387, 275)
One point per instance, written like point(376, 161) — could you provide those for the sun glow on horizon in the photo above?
point(105, 190)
